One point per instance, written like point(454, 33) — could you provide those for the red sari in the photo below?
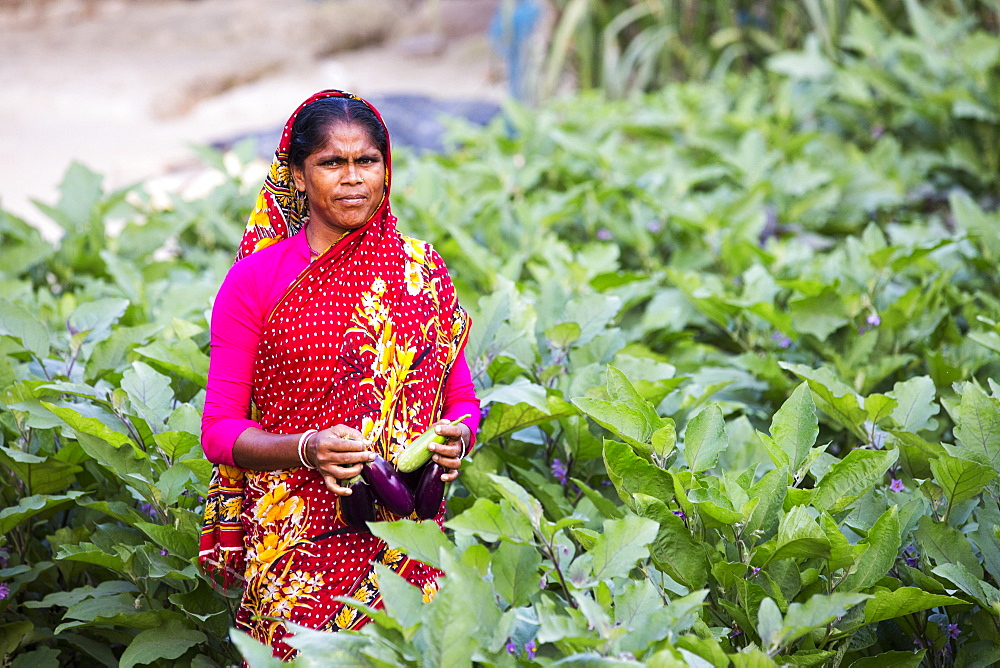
point(366, 337)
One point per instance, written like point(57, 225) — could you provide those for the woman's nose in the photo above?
point(352, 174)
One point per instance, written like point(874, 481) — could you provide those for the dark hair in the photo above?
point(311, 127)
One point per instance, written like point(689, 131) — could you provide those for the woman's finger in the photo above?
point(333, 484)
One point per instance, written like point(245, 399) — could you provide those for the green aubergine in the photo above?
point(387, 486)
point(417, 453)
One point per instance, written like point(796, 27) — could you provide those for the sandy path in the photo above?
point(127, 90)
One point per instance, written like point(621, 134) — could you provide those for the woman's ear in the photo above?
point(299, 178)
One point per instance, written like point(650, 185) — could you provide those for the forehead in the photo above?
point(346, 136)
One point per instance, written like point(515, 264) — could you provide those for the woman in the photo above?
point(334, 338)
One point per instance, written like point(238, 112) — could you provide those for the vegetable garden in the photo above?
point(737, 343)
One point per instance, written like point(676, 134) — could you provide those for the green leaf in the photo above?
point(256, 654)
point(111, 353)
point(795, 427)
point(515, 573)
point(90, 425)
point(883, 543)
point(175, 444)
point(44, 657)
point(892, 660)
point(769, 623)
point(620, 545)
point(622, 420)
point(181, 358)
point(916, 404)
point(843, 555)
point(30, 506)
point(179, 543)
point(977, 426)
point(40, 475)
point(96, 317)
point(455, 617)
point(150, 394)
point(492, 521)
point(905, 600)
point(18, 322)
point(631, 474)
point(705, 438)
point(971, 584)
point(818, 611)
point(422, 541)
point(673, 550)
point(851, 477)
point(946, 545)
point(960, 479)
point(832, 396)
point(88, 553)
point(521, 391)
point(799, 536)
point(505, 419)
point(771, 491)
point(519, 498)
point(403, 601)
point(169, 641)
point(13, 634)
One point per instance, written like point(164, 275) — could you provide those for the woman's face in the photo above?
point(344, 179)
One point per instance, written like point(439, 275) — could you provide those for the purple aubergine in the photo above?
point(358, 508)
point(430, 491)
point(387, 486)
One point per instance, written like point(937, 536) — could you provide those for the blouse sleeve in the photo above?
point(460, 397)
point(237, 323)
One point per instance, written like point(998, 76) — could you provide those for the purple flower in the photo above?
point(530, 647)
point(148, 509)
point(896, 485)
point(680, 514)
point(735, 632)
point(512, 648)
point(543, 582)
point(4, 590)
point(654, 226)
point(912, 562)
point(164, 553)
point(874, 320)
point(559, 471)
point(953, 630)
point(755, 572)
point(782, 340)
point(604, 234)
point(910, 557)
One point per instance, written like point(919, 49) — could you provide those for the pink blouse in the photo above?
point(250, 291)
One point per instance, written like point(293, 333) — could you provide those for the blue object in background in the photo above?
point(510, 31)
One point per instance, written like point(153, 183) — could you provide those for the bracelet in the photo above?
point(465, 446)
point(303, 439)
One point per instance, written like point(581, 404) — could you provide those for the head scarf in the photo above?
point(366, 337)
point(281, 210)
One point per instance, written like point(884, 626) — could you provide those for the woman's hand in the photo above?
point(338, 454)
point(449, 454)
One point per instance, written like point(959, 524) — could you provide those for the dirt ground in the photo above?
point(127, 86)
